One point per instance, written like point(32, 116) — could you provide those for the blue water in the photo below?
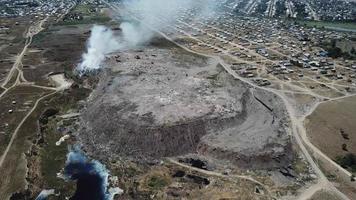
point(91, 177)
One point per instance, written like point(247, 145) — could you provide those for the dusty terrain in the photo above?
point(334, 122)
point(162, 102)
point(324, 195)
point(11, 42)
point(26, 93)
point(56, 49)
point(167, 123)
point(174, 181)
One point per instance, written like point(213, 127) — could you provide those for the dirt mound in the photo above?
point(167, 102)
point(259, 141)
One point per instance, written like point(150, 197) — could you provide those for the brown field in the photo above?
point(324, 195)
point(56, 49)
point(14, 167)
point(24, 97)
point(13, 79)
point(326, 124)
point(30, 166)
point(170, 181)
point(13, 179)
point(11, 42)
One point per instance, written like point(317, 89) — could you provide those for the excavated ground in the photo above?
point(163, 101)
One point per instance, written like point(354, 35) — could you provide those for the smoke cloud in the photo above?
point(101, 42)
point(44, 194)
point(160, 14)
point(143, 18)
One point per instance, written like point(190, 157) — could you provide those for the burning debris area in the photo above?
point(162, 101)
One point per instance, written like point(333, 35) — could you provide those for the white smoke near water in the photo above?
point(44, 194)
point(154, 15)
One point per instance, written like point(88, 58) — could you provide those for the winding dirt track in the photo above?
point(14, 134)
point(229, 177)
point(32, 31)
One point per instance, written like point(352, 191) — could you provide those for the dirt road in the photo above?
point(230, 177)
point(297, 123)
point(32, 31)
point(14, 134)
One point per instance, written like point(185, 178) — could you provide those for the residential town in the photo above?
point(37, 8)
point(267, 49)
point(178, 99)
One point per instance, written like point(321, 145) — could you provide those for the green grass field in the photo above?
point(87, 20)
point(89, 17)
point(84, 9)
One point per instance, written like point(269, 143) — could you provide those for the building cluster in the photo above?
point(335, 10)
point(331, 10)
point(36, 8)
point(284, 49)
point(90, 6)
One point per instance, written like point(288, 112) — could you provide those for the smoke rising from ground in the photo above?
point(161, 14)
point(152, 15)
point(101, 42)
point(44, 194)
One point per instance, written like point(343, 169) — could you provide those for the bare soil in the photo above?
point(12, 41)
point(56, 49)
point(324, 195)
point(327, 124)
point(162, 102)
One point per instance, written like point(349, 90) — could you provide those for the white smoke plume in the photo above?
point(44, 194)
point(147, 16)
point(162, 14)
point(101, 42)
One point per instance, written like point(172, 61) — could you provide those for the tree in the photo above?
point(344, 147)
point(347, 161)
point(353, 51)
